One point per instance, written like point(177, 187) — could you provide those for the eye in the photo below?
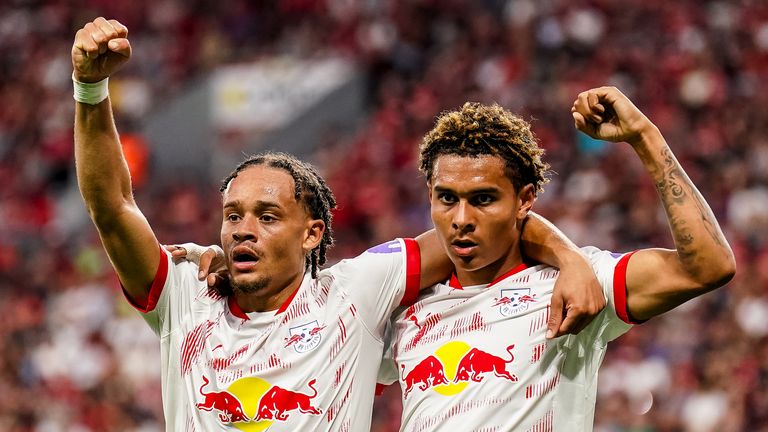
point(446, 198)
point(267, 218)
point(233, 217)
point(482, 199)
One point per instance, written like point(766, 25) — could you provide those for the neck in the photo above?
point(268, 299)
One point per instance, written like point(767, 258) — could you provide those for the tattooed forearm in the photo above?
point(695, 231)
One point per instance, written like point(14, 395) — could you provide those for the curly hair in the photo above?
point(478, 130)
point(310, 189)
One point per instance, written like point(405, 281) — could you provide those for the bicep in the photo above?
point(132, 249)
point(435, 264)
point(657, 283)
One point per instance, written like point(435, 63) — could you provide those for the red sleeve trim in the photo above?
point(412, 272)
point(156, 289)
point(620, 290)
point(380, 389)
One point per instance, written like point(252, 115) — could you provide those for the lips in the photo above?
point(244, 258)
point(463, 247)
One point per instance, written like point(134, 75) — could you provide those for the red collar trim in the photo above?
point(236, 311)
point(454, 282)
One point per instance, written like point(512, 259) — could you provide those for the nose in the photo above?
point(246, 230)
point(463, 217)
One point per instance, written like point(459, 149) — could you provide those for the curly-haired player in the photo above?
point(471, 353)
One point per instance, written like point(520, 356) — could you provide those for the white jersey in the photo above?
point(476, 359)
point(310, 366)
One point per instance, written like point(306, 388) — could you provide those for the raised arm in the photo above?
point(661, 279)
point(100, 49)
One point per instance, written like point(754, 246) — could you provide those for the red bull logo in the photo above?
point(253, 404)
point(453, 366)
point(427, 373)
point(476, 363)
point(514, 301)
point(229, 408)
point(277, 402)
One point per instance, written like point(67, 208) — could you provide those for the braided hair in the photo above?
point(479, 130)
point(310, 189)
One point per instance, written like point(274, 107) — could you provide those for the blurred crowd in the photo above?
point(75, 357)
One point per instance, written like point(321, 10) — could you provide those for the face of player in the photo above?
point(478, 214)
point(265, 232)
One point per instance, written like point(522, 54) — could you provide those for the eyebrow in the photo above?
point(260, 205)
point(487, 190)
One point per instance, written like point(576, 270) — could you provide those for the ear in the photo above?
point(525, 199)
point(314, 234)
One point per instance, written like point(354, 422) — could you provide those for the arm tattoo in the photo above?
point(677, 191)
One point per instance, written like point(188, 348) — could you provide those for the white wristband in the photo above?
point(91, 93)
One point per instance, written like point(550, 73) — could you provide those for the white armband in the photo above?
point(91, 93)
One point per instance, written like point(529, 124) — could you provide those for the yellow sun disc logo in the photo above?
point(450, 355)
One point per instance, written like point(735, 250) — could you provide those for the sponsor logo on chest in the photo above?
point(514, 300)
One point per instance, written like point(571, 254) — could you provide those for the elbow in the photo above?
point(718, 273)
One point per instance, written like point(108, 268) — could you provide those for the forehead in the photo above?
point(262, 183)
point(468, 172)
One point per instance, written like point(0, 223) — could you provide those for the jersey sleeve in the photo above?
point(381, 279)
point(175, 285)
point(611, 271)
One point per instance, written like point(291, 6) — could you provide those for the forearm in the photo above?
point(544, 242)
point(102, 172)
point(701, 247)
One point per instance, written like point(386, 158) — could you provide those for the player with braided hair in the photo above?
point(309, 188)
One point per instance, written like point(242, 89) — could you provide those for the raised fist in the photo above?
point(605, 113)
point(100, 49)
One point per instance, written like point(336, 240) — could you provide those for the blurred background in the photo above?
point(352, 85)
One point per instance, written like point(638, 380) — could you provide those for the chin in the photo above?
point(248, 285)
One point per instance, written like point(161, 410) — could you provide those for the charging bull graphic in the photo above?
point(277, 402)
point(476, 363)
point(228, 406)
point(428, 373)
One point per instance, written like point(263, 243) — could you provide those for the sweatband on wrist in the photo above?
point(90, 93)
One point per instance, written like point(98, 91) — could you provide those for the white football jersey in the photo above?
point(476, 358)
point(309, 366)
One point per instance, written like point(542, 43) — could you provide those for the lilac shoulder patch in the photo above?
point(388, 247)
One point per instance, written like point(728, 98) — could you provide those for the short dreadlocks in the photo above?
point(478, 130)
point(310, 190)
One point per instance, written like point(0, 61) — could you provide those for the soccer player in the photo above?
point(471, 353)
point(289, 348)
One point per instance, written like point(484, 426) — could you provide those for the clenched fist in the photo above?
point(604, 113)
point(99, 50)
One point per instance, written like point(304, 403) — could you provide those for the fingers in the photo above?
point(177, 251)
point(574, 322)
point(205, 263)
point(589, 105)
point(555, 316)
point(98, 38)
